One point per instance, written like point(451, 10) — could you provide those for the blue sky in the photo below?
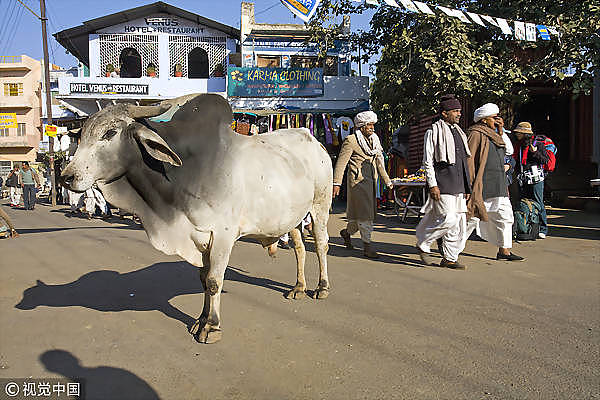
point(20, 31)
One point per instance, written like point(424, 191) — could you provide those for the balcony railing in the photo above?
point(10, 59)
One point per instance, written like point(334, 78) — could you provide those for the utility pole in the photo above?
point(48, 97)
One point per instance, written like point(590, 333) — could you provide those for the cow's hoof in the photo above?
point(204, 333)
point(321, 293)
point(296, 293)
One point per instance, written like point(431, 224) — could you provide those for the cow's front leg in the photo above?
point(207, 328)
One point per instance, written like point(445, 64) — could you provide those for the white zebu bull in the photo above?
point(198, 187)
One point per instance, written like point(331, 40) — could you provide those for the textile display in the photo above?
point(344, 124)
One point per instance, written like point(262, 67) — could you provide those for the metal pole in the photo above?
point(359, 62)
point(48, 97)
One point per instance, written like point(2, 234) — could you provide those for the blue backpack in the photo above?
point(527, 220)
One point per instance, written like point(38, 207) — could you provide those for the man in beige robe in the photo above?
point(363, 154)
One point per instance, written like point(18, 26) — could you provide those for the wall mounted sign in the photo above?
point(108, 88)
point(8, 120)
point(163, 23)
point(302, 8)
point(274, 82)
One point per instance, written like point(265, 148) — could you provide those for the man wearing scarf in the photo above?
point(489, 205)
point(363, 154)
point(445, 158)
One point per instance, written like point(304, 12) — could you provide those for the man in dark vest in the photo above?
point(445, 162)
point(489, 205)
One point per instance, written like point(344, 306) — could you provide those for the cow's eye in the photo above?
point(108, 134)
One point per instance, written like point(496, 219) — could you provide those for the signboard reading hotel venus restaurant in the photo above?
point(108, 88)
point(274, 82)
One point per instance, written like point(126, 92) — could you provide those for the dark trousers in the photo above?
point(29, 196)
point(536, 193)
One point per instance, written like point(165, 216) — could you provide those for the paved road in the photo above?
point(93, 299)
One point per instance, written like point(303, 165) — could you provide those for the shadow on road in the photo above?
point(146, 289)
point(101, 382)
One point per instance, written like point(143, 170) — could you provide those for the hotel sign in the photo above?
point(108, 88)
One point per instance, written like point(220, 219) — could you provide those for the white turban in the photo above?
point(365, 117)
point(486, 110)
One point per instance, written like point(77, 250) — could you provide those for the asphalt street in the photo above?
point(92, 299)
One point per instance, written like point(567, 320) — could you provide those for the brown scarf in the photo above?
point(489, 132)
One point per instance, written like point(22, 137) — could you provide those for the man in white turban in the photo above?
point(445, 162)
point(363, 154)
point(489, 205)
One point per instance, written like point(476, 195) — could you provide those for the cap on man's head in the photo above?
point(523, 127)
point(449, 102)
point(486, 110)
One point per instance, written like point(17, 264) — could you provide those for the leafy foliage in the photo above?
point(423, 56)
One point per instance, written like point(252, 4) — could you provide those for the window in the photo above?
point(198, 64)
point(131, 63)
point(21, 129)
point(268, 61)
point(3, 132)
point(13, 89)
point(330, 67)
point(5, 168)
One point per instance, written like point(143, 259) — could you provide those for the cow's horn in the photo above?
point(147, 111)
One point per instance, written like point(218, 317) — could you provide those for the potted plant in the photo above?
point(178, 70)
point(151, 71)
point(219, 70)
point(109, 69)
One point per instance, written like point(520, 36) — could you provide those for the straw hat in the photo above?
point(523, 127)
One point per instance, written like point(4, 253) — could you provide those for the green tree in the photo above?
point(423, 56)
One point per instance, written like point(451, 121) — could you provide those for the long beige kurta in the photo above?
point(363, 170)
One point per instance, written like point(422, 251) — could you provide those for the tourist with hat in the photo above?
point(531, 155)
point(445, 157)
point(363, 154)
point(489, 205)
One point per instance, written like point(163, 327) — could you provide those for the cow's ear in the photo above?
point(155, 145)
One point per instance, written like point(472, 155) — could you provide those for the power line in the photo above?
point(4, 30)
point(13, 31)
point(266, 9)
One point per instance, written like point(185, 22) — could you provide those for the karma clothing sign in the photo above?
point(274, 82)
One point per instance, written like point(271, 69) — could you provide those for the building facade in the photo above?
point(274, 46)
point(20, 93)
point(145, 54)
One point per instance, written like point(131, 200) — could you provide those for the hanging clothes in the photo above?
point(333, 131)
point(328, 136)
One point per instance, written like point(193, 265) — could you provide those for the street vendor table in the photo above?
point(417, 195)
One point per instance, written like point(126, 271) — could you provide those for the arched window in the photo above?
point(198, 64)
point(131, 63)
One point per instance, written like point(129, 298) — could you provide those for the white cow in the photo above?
point(198, 187)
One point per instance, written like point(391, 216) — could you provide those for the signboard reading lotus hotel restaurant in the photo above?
point(274, 82)
point(108, 88)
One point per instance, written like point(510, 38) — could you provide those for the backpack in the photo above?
point(550, 150)
point(12, 181)
point(527, 220)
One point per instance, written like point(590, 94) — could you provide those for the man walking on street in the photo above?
point(29, 182)
point(445, 162)
point(12, 181)
point(489, 204)
point(363, 153)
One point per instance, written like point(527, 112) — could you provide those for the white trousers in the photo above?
point(15, 195)
point(446, 221)
point(498, 229)
point(365, 227)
